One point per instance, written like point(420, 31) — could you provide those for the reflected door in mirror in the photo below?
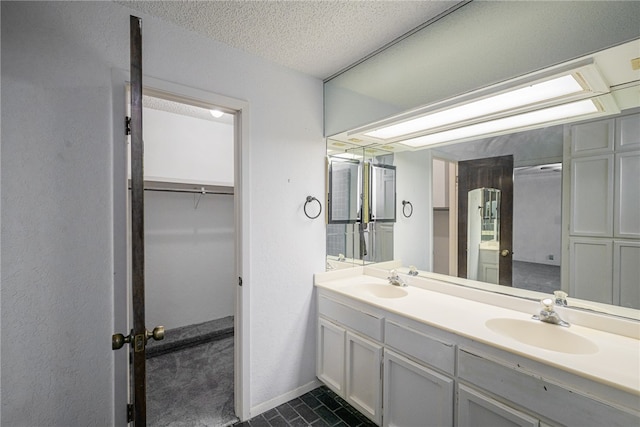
point(492, 208)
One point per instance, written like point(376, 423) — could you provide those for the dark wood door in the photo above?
point(493, 172)
point(139, 333)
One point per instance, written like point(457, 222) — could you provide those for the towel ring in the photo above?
point(309, 200)
point(404, 208)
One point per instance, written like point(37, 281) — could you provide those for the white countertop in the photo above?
point(616, 362)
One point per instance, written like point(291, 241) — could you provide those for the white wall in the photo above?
point(189, 258)
point(57, 209)
point(412, 237)
point(180, 148)
point(537, 217)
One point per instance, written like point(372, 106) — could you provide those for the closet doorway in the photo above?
point(192, 261)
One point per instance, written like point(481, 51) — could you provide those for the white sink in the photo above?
point(379, 290)
point(542, 335)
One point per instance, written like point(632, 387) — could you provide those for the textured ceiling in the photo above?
point(318, 38)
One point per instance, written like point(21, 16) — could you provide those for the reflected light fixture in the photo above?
point(519, 121)
point(515, 105)
point(216, 113)
point(544, 91)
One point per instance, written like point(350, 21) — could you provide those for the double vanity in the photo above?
point(436, 354)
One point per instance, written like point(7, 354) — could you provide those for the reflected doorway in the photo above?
point(494, 173)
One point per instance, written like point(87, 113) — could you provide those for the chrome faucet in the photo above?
point(548, 315)
point(396, 280)
point(561, 298)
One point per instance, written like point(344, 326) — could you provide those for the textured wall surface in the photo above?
point(57, 273)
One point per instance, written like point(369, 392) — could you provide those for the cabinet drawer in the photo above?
point(539, 395)
point(365, 323)
point(424, 348)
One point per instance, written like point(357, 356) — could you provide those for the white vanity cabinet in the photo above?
point(330, 355)
point(349, 355)
point(476, 409)
point(402, 372)
point(363, 386)
point(505, 390)
point(415, 395)
point(414, 392)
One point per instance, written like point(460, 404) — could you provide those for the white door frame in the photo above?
point(241, 212)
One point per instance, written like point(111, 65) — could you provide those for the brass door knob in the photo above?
point(157, 333)
point(119, 340)
point(505, 252)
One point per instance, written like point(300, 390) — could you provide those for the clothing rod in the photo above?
point(179, 187)
point(194, 191)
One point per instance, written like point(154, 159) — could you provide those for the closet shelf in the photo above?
point(179, 187)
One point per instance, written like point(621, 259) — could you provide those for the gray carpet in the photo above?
point(191, 336)
point(536, 277)
point(192, 387)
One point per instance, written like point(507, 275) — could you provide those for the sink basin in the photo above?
point(380, 290)
point(542, 335)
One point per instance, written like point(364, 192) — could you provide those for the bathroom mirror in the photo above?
point(360, 96)
point(363, 181)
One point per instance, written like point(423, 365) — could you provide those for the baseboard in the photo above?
point(284, 398)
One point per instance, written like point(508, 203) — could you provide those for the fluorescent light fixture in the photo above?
point(216, 113)
point(519, 121)
point(558, 87)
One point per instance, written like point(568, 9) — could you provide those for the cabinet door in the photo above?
point(330, 355)
point(592, 196)
point(626, 271)
point(477, 410)
point(592, 138)
point(363, 373)
point(415, 395)
point(628, 132)
point(627, 182)
point(591, 269)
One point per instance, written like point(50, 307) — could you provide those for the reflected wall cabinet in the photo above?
point(604, 219)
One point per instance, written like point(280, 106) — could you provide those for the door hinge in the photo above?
point(127, 125)
point(129, 413)
point(239, 281)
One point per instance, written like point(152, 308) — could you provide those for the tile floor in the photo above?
point(318, 408)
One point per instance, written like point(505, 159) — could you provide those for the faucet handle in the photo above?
point(547, 304)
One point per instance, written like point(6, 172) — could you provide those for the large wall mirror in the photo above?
point(361, 199)
point(556, 243)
